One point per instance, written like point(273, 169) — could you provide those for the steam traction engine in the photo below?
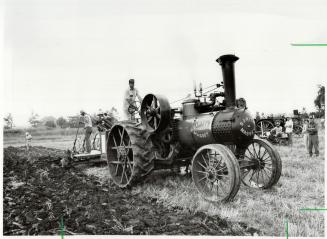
point(215, 138)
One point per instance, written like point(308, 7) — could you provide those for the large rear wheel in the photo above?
point(216, 173)
point(129, 153)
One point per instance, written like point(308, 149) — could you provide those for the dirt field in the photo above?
point(37, 192)
point(164, 204)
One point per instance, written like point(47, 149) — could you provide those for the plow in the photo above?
point(104, 125)
point(211, 134)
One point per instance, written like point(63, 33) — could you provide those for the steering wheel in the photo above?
point(134, 107)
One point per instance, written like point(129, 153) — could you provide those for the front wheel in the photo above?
point(260, 164)
point(216, 173)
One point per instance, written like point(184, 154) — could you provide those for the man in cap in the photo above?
point(313, 136)
point(130, 99)
point(86, 119)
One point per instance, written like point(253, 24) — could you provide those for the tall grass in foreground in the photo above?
point(300, 186)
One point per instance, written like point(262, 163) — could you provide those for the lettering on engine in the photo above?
point(201, 128)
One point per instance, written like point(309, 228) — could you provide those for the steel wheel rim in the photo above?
point(120, 152)
point(211, 172)
point(259, 175)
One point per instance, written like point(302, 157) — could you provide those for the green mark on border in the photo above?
point(313, 209)
point(286, 229)
point(308, 44)
point(62, 227)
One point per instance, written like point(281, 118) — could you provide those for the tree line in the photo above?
point(51, 122)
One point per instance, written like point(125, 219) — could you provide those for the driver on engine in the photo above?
point(130, 100)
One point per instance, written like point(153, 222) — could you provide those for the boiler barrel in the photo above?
point(225, 127)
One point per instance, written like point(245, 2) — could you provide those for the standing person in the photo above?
point(263, 116)
point(28, 140)
point(130, 99)
point(86, 119)
point(289, 129)
point(313, 136)
point(305, 134)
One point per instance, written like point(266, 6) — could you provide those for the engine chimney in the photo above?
point(227, 66)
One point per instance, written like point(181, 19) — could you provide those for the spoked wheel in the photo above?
point(129, 153)
point(263, 126)
point(216, 173)
point(261, 165)
point(155, 112)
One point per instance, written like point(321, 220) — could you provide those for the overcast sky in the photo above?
point(63, 56)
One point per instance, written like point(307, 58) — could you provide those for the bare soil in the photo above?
point(38, 192)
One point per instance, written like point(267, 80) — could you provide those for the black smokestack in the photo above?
point(227, 66)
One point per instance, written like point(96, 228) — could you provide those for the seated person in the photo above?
point(276, 132)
